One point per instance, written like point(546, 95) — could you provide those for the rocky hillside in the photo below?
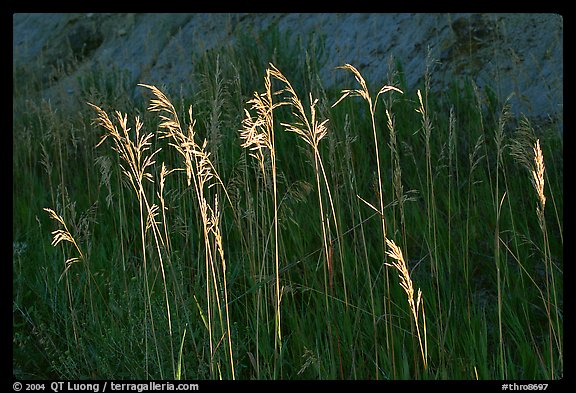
point(513, 53)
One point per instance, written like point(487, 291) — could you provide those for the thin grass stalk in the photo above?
point(210, 273)
point(45, 161)
point(135, 157)
point(406, 283)
point(398, 191)
point(529, 155)
point(258, 134)
point(431, 209)
point(47, 164)
point(260, 277)
point(262, 273)
point(215, 229)
point(253, 238)
point(483, 131)
point(278, 335)
point(64, 235)
point(148, 309)
point(474, 160)
point(336, 227)
point(217, 252)
point(312, 132)
point(354, 202)
point(365, 94)
point(499, 140)
point(514, 147)
point(397, 174)
point(152, 211)
point(199, 169)
point(538, 183)
point(451, 151)
point(166, 243)
point(499, 286)
point(202, 174)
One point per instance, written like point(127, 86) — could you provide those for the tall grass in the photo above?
point(364, 93)
point(406, 283)
point(137, 162)
point(252, 238)
point(258, 135)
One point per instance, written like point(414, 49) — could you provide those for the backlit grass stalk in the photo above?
point(554, 332)
point(365, 95)
point(64, 235)
point(528, 153)
point(257, 135)
point(200, 170)
point(312, 131)
point(217, 238)
point(137, 161)
point(214, 251)
point(406, 283)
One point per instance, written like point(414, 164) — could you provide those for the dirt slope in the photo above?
point(514, 53)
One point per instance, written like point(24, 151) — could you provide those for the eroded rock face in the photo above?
point(512, 53)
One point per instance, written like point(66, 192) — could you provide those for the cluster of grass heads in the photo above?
point(271, 230)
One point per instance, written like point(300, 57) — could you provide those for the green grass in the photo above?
point(273, 263)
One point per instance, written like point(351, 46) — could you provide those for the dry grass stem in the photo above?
point(406, 283)
point(364, 93)
point(538, 174)
point(64, 235)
